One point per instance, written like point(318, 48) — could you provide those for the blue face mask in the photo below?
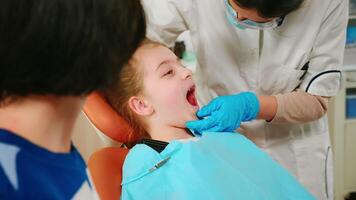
point(232, 18)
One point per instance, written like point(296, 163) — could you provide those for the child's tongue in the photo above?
point(191, 99)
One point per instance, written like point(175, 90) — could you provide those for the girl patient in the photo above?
point(156, 95)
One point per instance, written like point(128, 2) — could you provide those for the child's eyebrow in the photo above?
point(165, 62)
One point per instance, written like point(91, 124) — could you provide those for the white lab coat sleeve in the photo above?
point(324, 76)
point(166, 19)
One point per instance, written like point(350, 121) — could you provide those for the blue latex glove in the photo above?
point(226, 113)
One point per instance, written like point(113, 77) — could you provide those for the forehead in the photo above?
point(151, 56)
point(150, 52)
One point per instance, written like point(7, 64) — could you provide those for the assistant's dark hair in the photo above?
point(65, 47)
point(271, 8)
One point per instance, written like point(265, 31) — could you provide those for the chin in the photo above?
point(192, 117)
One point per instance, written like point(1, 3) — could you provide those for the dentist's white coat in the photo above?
point(268, 62)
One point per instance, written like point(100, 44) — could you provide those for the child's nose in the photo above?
point(240, 17)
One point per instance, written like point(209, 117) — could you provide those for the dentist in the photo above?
point(271, 64)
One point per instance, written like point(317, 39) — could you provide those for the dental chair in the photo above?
point(105, 165)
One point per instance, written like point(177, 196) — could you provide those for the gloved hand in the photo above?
point(225, 113)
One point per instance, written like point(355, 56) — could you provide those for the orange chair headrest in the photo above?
point(106, 119)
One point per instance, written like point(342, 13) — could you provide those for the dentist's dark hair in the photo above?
point(271, 8)
point(65, 47)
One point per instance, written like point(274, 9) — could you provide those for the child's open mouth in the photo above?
point(191, 96)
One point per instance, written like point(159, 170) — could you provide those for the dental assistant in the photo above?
point(271, 64)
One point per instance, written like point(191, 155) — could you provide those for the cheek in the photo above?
point(175, 108)
point(169, 98)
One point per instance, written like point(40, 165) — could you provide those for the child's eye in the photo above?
point(168, 73)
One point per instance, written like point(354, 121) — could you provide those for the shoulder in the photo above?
point(327, 6)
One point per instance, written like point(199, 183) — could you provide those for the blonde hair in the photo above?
point(128, 84)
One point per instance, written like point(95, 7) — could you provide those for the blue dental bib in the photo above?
point(214, 166)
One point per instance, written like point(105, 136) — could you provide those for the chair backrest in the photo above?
point(105, 165)
point(106, 119)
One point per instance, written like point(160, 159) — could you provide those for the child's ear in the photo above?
point(140, 106)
